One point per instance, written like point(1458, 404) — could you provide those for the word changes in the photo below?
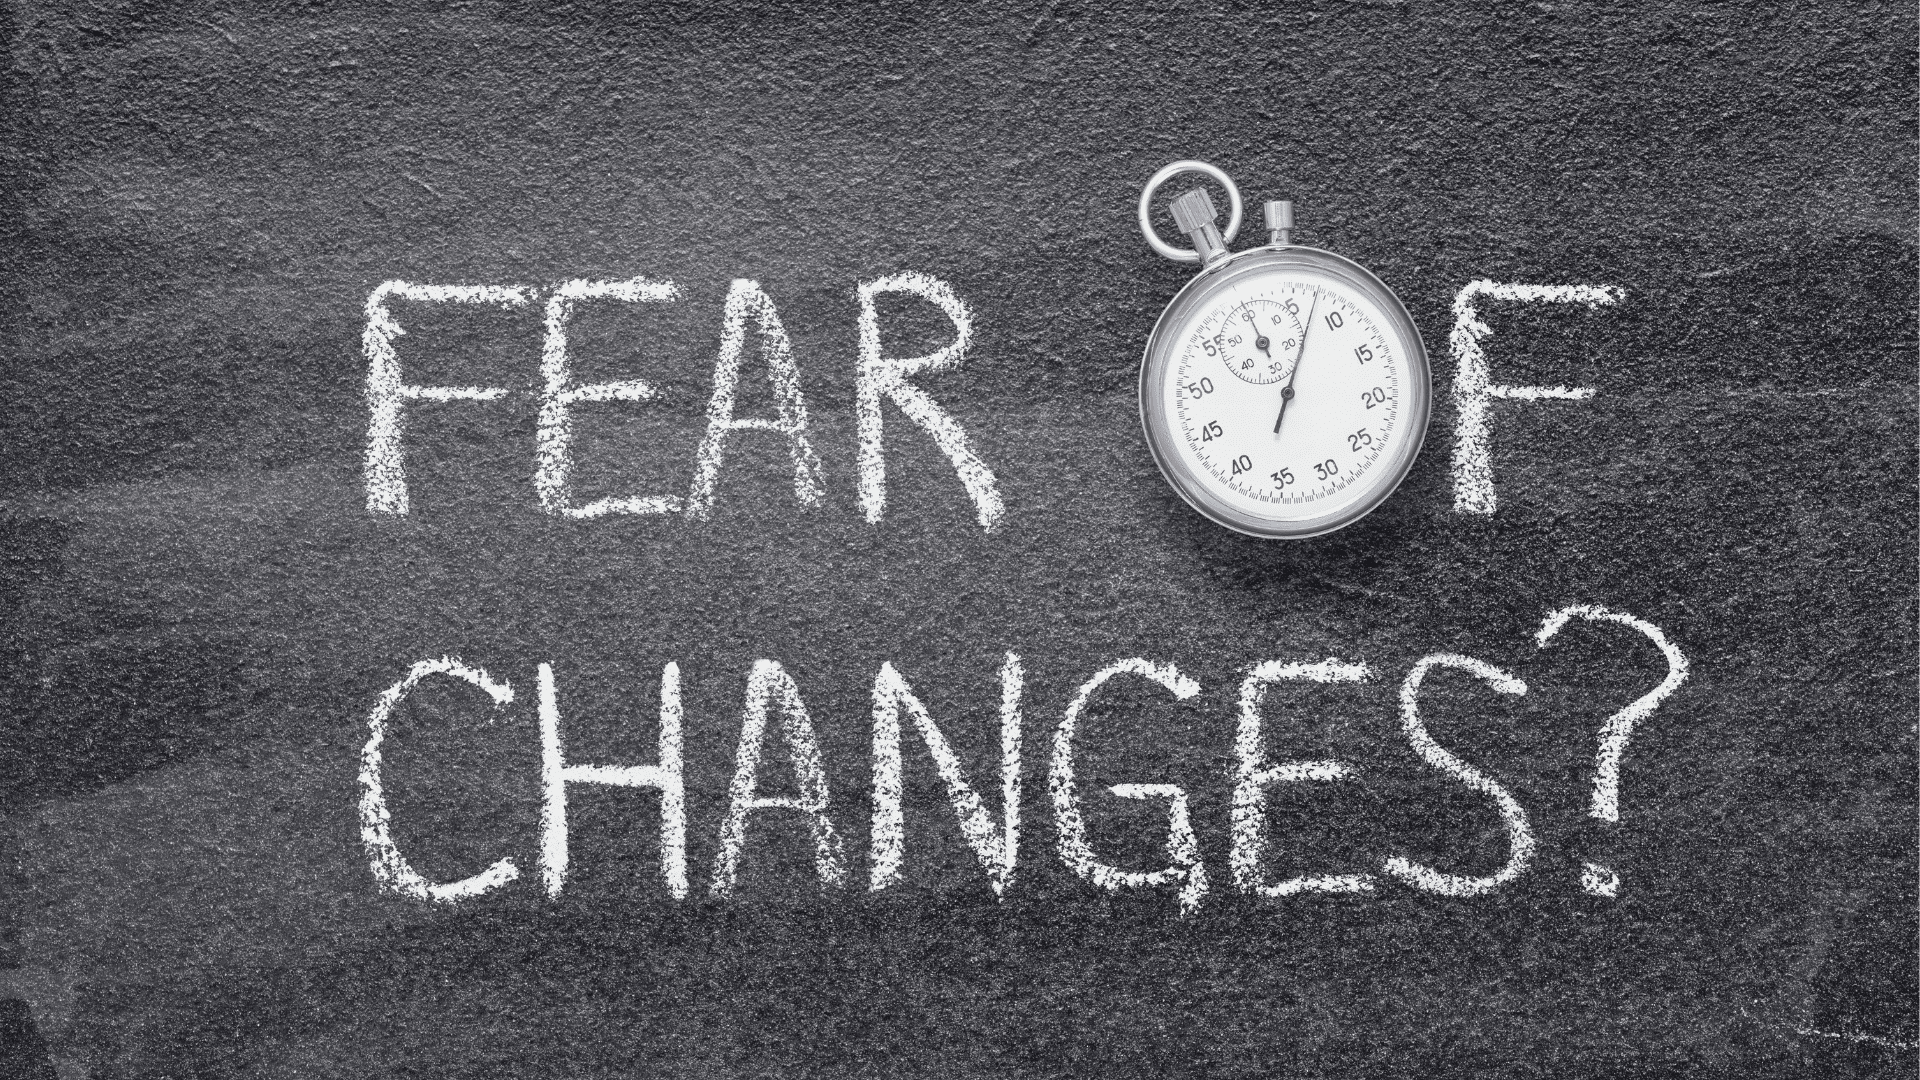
point(773, 696)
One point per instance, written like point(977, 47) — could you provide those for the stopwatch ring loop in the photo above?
point(1166, 250)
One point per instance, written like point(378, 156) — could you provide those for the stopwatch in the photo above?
point(1285, 389)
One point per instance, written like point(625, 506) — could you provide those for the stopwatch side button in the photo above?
point(1194, 213)
point(1280, 222)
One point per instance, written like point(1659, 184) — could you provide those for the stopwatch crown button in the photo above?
point(1280, 221)
point(1194, 213)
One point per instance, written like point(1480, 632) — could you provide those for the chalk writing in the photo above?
point(770, 688)
point(1597, 879)
point(768, 680)
point(997, 854)
point(387, 392)
point(390, 868)
point(885, 377)
point(1075, 849)
point(560, 395)
point(1519, 836)
point(666, 778)
point(746, 298)
point(1474, 388)
point(878, 378)
point(1254, 774)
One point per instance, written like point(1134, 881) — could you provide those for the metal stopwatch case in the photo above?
point(1285, 390)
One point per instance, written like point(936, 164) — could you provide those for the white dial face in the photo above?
point(1286, 394)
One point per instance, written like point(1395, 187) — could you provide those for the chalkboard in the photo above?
point(382, 699)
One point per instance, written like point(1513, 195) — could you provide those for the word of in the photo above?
point(771, 690)
point(878, 378)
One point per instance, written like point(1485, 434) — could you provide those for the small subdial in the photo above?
point(1256, 339)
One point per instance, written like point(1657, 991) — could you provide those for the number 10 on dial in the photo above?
point(1285, 390)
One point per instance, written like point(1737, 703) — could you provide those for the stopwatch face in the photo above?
point(1285, 392)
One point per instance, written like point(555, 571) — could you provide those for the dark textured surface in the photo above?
point(198, 612)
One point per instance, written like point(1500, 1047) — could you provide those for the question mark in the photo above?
point(1594, 878)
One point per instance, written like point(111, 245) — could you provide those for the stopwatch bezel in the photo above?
point(1161, 351)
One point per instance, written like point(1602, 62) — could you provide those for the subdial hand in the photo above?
point(1260, 340)
point(1286, 392)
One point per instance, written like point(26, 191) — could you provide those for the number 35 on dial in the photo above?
point(1285, 390)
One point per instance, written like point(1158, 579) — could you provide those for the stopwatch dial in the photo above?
point(1256, 341)
point(1299, 434)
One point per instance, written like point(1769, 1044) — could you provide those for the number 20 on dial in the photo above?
point(1285, 390)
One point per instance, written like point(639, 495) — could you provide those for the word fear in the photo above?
point(878, 378)
point(770, 690)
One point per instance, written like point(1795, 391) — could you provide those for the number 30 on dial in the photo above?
point(1285, 390)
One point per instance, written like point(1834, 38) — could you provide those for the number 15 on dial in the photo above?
point(1285, 390)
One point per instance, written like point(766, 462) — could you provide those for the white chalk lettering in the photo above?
point(1519, 835)
point(995, 841)
point(390, 869)
point(745, 298)
point(885, 377)
point(1183, 848)
point(1474, 388)
point(998, 854)
point(556, 774)
point(560, 395)
point(768, 679)
point(1075, 848)
point(1253, 774)
point(387, 392)
point(1594, 878)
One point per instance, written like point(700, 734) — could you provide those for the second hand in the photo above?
point(1286, 392)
